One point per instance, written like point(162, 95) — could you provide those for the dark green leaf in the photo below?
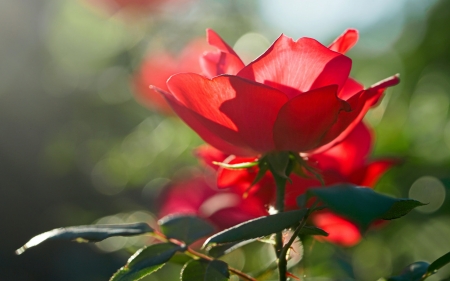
point(200, 270)
point(180, 258)
point(413, 272)
point(400, 208)
point(146, 261)
point(312, 230)
point(258, 227)
point(363, 205)
point(279, 163)
point(437, 264)
point(185, 228)
point(87, 233)
point(303, 199)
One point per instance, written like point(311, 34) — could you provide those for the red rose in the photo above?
point(297, 96)
point(346, 162)
point(157, 67)
point(222, 208)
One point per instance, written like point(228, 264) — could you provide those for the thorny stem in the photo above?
point(281, 186)
point(288, 245)
point(279, 205)
point(233, 270)
point(280, 182)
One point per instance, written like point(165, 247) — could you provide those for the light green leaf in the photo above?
point(87, 233)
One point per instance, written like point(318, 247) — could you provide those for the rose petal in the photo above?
point(298, 187)
point(297, 67)
point(224, 61)
point(202, 127)
point(360, 104)
point(345, 41)
point(185, 197)
point(247, 209)
point(350, 154)
point(155, 70)
point(371, 173)
point(351, 88)
point(340, 230)
point(239, 111)
point(240, 181)
point(159, 66)
point(208, 154)
point(304, 120)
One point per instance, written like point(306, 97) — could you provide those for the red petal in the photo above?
point(185, 197)
point(360, 104)
point(298, 187)
point(304, 120)
point(349, 155)
point(369, 175)
point(155, 70)
point(351, 88)
point(239, 111)
point(240, 181)
point(297, 67)
point(159, 66)
point(247, 209)
point(208, 154)
point(340, 230)
point(223, 209)
point(202, 127)
point(225, 61)
point(345, 41)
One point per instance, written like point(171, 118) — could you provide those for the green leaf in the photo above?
point(201, 270)
point(279, 163)
point(437, 264)
point(87, 233)
point(413, 272)
point(363, 205)
point(146, 261)
point(303, 199)
point(400, 208)
point(238, 166)
point(312, 230)
point(258, 227)
point(185, 228)
point(421, 270)
point(180, 258)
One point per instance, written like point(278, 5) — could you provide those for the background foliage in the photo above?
point(76, 148)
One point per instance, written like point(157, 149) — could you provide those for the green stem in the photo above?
point(288, 245)
point(279, 205)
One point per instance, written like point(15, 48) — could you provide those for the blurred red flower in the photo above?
point(157, 67)
point(131, 6)
point(222, 208)
point(297, 96)
point(346, 162)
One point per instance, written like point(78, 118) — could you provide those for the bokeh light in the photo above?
point(430, 191)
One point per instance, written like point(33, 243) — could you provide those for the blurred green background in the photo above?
point(76, 148)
